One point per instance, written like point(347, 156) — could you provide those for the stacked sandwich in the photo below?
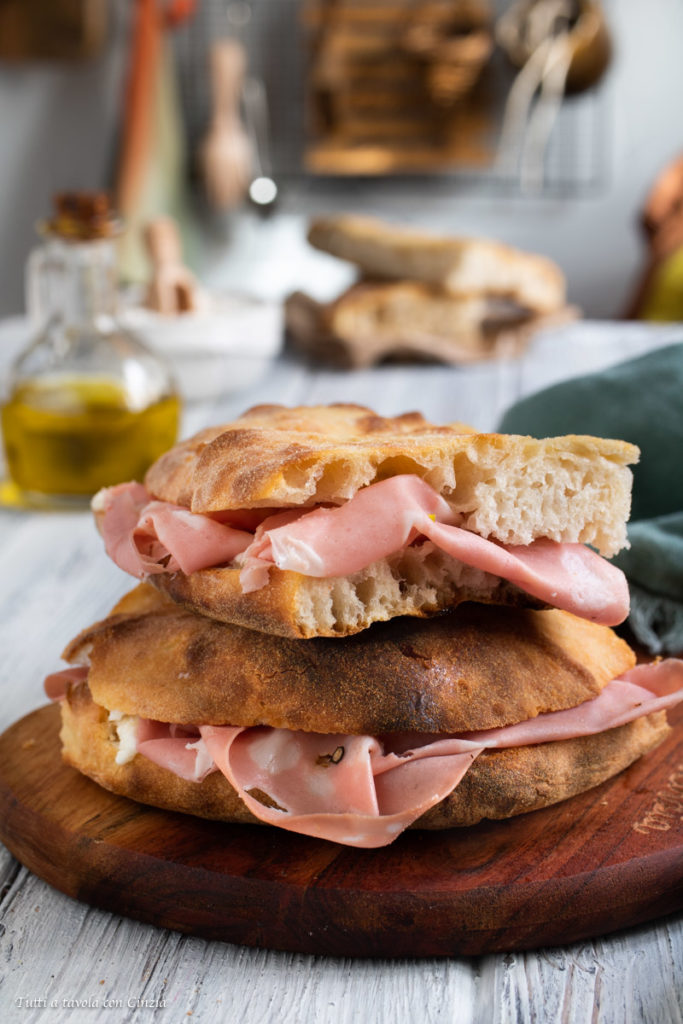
point(349, 625)
point(450, 299)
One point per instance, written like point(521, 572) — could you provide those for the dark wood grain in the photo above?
point(602, 861)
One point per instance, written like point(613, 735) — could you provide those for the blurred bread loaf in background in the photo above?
point(460, 266)
point(424, 296)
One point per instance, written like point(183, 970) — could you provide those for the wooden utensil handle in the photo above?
point(228, 66)
point(163, 242)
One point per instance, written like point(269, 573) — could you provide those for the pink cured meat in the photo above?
point(121, 507)
point(291, 770)
point(180, 749)
point(57, 683)
point(363, 791)
point(376, 522)
point(196, 541)
point(386, 516)
point(145, 537)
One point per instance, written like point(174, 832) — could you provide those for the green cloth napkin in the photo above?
point(641, 401)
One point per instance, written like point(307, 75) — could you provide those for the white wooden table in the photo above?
point(55, 952)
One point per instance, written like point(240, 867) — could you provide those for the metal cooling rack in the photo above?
point(577, 158)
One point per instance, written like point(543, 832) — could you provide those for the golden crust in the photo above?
point(301, 607)
point(499, 784)
point(274, 456)
point(478, 668)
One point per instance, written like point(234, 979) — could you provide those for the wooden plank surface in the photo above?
point(56, 579)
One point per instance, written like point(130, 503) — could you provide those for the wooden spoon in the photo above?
point(226, 155)
point(173, 288)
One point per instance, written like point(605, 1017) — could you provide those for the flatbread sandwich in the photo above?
point(487, 712)
point(318, 521)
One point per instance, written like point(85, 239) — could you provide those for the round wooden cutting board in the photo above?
point(604, 860)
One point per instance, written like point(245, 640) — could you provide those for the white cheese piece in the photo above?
point(126, 727)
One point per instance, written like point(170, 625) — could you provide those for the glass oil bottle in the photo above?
point(88, 404)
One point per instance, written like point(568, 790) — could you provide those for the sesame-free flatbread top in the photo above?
point(512, 489)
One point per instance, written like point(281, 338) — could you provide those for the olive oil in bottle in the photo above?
point(89, 405)
point(74, 435)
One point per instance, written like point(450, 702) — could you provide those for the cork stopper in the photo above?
point(83, 216)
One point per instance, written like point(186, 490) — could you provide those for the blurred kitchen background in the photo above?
point(64, 118)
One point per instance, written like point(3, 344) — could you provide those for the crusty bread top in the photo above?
point(478, 668)
point(462, 266)
point(513, 489)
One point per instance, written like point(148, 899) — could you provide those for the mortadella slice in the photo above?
point(57, 683)
point(180, 749)
point(145, 537)
point(362, 790)
point(309, 792)
point(384, 517)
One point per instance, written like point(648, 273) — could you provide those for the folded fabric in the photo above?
point(655, 560)
point(640, 400)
